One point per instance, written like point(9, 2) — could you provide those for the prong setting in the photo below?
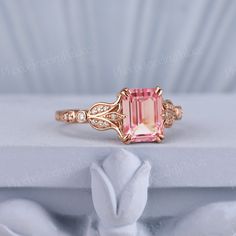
point(158, 91)
point(160, 138)
point(124, 92)
point(126, 139)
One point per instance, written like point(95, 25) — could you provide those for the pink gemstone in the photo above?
point(143, 108)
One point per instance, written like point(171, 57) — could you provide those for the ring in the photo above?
point(138, 115)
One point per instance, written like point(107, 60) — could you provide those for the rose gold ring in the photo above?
point(138, 115)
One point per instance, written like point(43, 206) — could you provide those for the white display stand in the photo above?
point(59, 179)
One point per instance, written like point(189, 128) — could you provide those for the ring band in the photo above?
point(138, 115)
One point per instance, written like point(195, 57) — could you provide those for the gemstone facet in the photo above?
point(143, 115)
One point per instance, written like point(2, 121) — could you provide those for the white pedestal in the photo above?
point(49, 163)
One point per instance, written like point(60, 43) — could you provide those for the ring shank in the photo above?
point(68, 116)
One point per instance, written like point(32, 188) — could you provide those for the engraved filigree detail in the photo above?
point(69, 116)
point(103, 116)
point(171, 113)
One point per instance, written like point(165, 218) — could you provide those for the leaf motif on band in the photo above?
point(100, 108)
point(114, 116)
point(104, 116)
point(100, 124)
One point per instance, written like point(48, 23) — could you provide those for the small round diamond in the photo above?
point(81, 116)
point(94, 111)
point(113, 116)
point(100, 123)
point(106, 124)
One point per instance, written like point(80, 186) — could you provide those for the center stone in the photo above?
point(143, 111)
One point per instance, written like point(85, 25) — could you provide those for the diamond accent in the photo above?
point(69, 116)
point(97, 109)
point(99, 123)
point(81, 116)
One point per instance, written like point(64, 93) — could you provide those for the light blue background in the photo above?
point(90, 46)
